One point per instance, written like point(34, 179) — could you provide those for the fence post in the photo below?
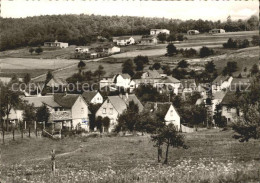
point(25, 125)
point(29, 131)
point(53, 160)
point(3, 136)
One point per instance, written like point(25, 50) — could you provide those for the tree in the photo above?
point(171, 49)
point(169, 136)
point(180, 37)
point(183, 64)
point(42, 114)
point(106, 123)
point(255, 40)
point(29, 114)
point(81, 65)
point(128, 67)
point(162, 37)
point(171, 38)
point(38, 50)
point(255, 69)
point(140, 61)
point(205, 51)
point(31, 50)
point(100, 72)
point(99, 125)
point(93, 108)
point(156, 66)
point(210, 67)
point(244, 44)
point(9, 100)
point(230, 68)
point(27, 78)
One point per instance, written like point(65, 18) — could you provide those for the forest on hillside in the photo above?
point(84, 29)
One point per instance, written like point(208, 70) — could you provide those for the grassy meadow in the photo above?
point(213, 156)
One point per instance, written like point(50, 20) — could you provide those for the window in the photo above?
point(111, 111)
point(104, 111)
point(82, 110)
point(229, 110)
point(171, 112)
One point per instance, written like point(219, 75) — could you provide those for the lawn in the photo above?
point(212, 156)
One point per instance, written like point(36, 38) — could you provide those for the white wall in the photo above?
point(98, 99)
point(79, 113)
point(173, 117)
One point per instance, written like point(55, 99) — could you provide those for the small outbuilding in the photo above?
point(216, 31)
point(193, 32)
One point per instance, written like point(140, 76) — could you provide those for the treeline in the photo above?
point(84, 29)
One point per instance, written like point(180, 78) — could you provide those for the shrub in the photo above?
point(205, 51)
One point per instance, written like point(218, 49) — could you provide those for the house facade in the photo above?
point(168, 83)
point(93, 97)
point(216, 31)
point(56, 44)
point(192, 32)
point(125, 40)
point(148, 40)
point(187, 86)
point(112, 50)
point(122, 80)
point(221, 83)
point(158, 31)
point(114, 106)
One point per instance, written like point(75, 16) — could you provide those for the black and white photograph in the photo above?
point(129, 91)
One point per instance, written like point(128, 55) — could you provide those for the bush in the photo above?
point(189, 52)
point(205, 51)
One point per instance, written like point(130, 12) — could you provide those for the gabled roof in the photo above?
point(158, 107)
point(124, 37)
point(229, 98)
point(148, 38)
point(169, 79)
point(152, 74)
point(241, 81)
point(220, 79)
point(132, 97)
point(158, 29)
point(188, 83)
point(65, 100)
point(57, 82)
point(40, 100)
point(160, 71)
point(219, 95)
point(89, 95)
point(118, 103)
point(125, 76)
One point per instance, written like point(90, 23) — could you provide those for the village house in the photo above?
point(57, 82)
point(148, 40)
point(122, 80)
point(56, 44)
point(125, 40)
point(161, 72)
point(93, 97)
point(66, 110)
point(168, 83)
point(151, 74)
point(158, 31)
point(15, 115)
point(82, 50)
point(188, 86)
point(221, 83)
point(228, 109)
point(215, 31)
point(111, 49)
point(107, 80)
point(192, 32)
point(167, 110)
point(217, 98)
point(114, 106)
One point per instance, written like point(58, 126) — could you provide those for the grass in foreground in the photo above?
point(213, 156)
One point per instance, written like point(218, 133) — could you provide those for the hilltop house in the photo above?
point(221, 83)
point(148, 40)
point(70, 110)
point(114, 106)
point(125, 40)
point(192, 32)
point(81, 50)
point(167, 110)
point(158, 31)
point(168, 83)
point(93, 97)
point(215, 31)
point(56, 44)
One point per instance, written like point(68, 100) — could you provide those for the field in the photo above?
point(212, 156)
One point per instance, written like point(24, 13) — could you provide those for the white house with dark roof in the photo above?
point(216, 31)
point(221, 83)
point(56, 44)
point(148, 40)
point(125, 40)
point(170, 114)
point(158, 31)
point(71, 110)
point(168, 83)
point(122, 80)
point(114, 106)
point(93, 97)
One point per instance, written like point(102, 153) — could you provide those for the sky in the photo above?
point(184, 10)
